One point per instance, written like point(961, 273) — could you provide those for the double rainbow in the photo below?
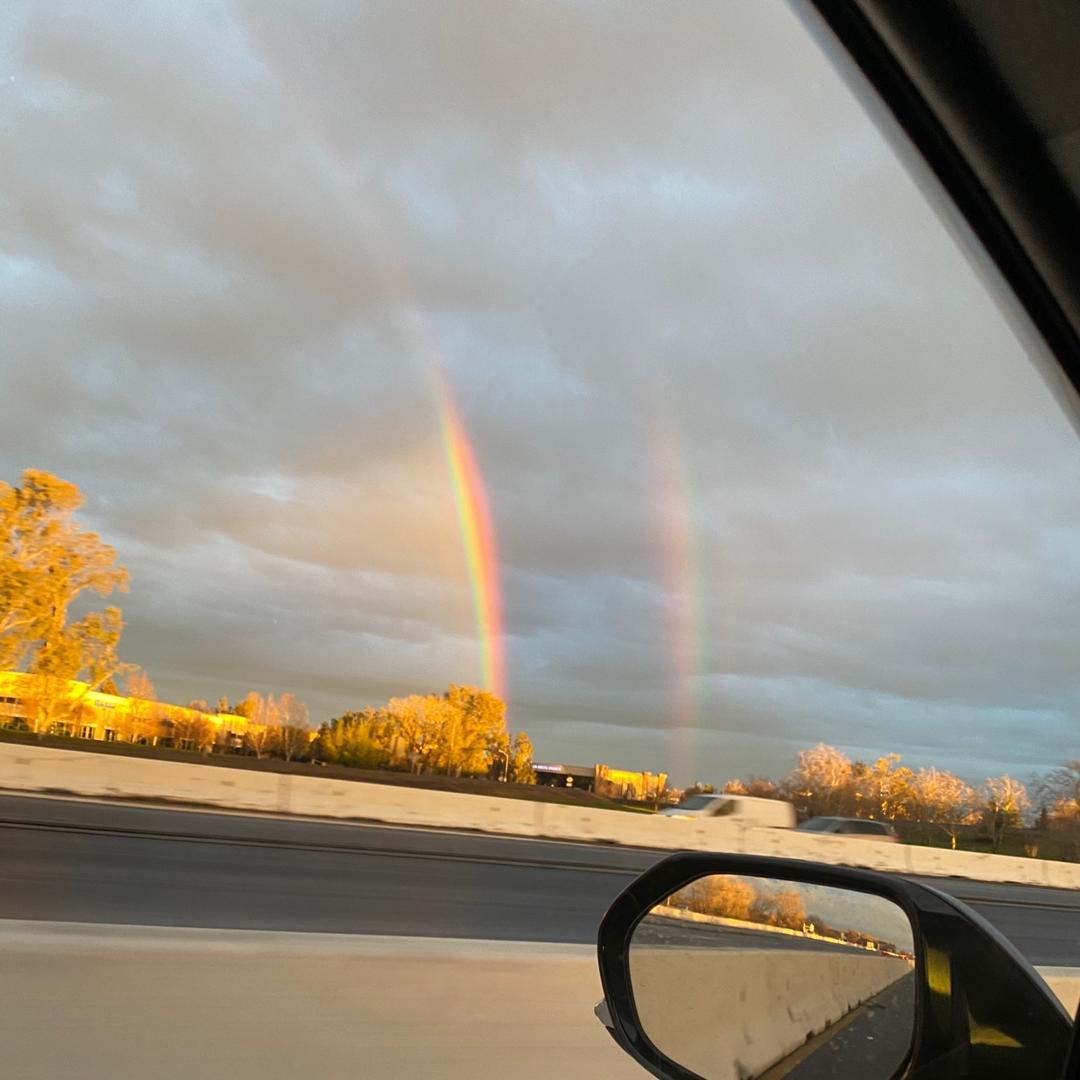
point(477, 536)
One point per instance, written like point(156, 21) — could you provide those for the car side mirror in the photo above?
point(726, 967)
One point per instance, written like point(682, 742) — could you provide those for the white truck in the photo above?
point(746, 809)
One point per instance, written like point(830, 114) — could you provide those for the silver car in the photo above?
point(862, 828)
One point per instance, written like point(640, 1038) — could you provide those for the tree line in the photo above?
point(742, 899)
point(827, 782)
point(459, 733)
point(50, 567)
point(277, 727)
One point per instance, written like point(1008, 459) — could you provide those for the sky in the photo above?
point(764, 461)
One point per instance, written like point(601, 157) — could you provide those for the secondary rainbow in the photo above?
point(477, 536)
point(680, 575)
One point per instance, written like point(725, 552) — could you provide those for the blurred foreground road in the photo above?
point(178, 1004)
point(92, 862)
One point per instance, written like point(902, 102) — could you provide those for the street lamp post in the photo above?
point(506, 761)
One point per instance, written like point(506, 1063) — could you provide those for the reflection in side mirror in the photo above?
point(739, 977)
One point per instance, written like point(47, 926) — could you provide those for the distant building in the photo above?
point(575, 776)
point(603, 780)
point(90, 714)
point(631, 786)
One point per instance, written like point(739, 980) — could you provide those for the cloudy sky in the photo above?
point(767, 465)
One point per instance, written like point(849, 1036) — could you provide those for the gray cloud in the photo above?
point(766, 462)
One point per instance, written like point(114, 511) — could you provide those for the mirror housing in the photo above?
point(981, 1010)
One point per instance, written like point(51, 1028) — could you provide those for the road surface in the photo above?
point(73, 860)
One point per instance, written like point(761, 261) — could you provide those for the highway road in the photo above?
point(74, 860)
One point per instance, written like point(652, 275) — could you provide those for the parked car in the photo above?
point(745, 808)
point(862, 828)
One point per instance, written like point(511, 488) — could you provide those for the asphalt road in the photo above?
point(72, 860)
point(871, 1041)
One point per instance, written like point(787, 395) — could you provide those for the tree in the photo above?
point(943, 799)
point(460, 733)
point(1060, 784)
point(1004, 801)
point(521, 760)
point(416, 727)
point(46, 563)
point(789, 908)
point(262, 715)
point(482, 728)
point(192, 730)
point(359, 739)
point(138, 721)
point(223, 705)
point(782, 908)
point(729, 897)
point(756, 787)
point(885, 789)
point(294, 732)
point(821, 780)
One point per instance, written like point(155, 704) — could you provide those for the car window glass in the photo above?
point(579, 401)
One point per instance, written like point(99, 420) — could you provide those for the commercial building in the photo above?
point(73, 709)
point(625, 784)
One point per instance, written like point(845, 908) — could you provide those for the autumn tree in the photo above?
point(821, 780)
point(698, 788)
point(1003, 804)
point(884, 789)
point(521, 760)
point(416, 725)
point(192, 730)
point(730, 897)
point(782, 908)
point(359, 739)
point(483, 727)
point(47, 562)
point(756, 787)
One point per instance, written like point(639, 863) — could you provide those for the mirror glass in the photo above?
point(739, 977)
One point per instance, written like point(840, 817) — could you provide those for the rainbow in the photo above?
point(477, 536)
point(680, 578)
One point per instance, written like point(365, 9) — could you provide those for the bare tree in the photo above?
point(138, 722)
point(262, 717)
point(1004, 802)
point(944, 800)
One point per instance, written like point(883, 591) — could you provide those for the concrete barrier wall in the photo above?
point(44, 769)
point(728, 1014)
point(173, 1003)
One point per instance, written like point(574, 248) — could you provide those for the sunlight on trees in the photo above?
point(47, 562)
point(459, 733)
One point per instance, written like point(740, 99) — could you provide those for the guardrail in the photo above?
point(47, 770)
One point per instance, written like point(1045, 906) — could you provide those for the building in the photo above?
point(575, 776)
point(628, 785)
point(79, 712)
point(604, 780)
